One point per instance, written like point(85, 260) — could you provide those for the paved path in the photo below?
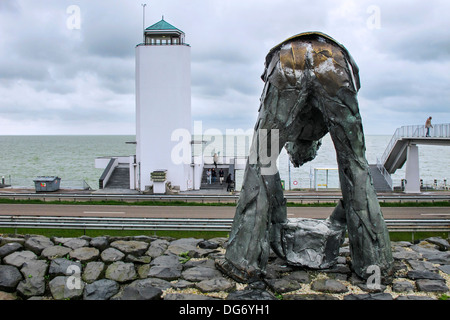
point(200, 211)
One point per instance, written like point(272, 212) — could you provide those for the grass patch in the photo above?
point(74, 233)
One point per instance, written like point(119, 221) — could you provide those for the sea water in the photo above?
point(72, 158)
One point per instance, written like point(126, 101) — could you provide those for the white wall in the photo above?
point(163, 105)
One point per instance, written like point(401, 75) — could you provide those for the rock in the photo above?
point(441, 243)
point(9, 278)
point(112, 255)
point(73, 243)
point(143, 270)
point(18, 258)
point(312, 243)
point(309, 297)
point(101, 243)
point(5, 240)
point(63, 288)
point(402, 286)
point(369, 296)
point(329, 286)
point(299, 276)
point(130, 247)
point(63, 267)
point(180, 246)
point(167, 267)
point(140, 293)
point(414, 274)
point(428, 285)
point(157, 248)
point(419, 265)
point(54, 252)
point(251, 294)
point(84, 254)
point(215, 285)
point(101, 290)
point(207, 263)
point(31, 286)
point(410, 297)
point(37, 244)
point(283, 285)
point(196, 274)
point(182, 284)
point(93, 271)
point(187, 296)
point(138, 259)
point(121, 272)
point(445, 268)
point(9, 248)
point(208, 244)
point(34, 268)
point(438, 257)
point(152, 282)
point(401, 255)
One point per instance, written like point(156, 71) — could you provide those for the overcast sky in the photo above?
point(64, 75)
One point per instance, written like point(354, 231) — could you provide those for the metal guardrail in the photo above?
point(186, 224)
point(207, 198)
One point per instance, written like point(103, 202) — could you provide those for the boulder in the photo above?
point(9, 278)
point(54, 252)
point(101, 243)
point(196, 274)
point(329, 286)
point(37, 244)
point(63, 267)
point(130, 247)
point(215, 285)
point(112, 255)
point(121, 272)
point(93, 271)
point(63, 288)
point(9, 248)
point(84, 254)
point(18, 258)
point(101, 290)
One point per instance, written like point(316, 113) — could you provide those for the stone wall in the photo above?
point(148, 268)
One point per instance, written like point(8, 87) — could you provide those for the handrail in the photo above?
point(112, 164)
point(415, 131)
point(187, 224)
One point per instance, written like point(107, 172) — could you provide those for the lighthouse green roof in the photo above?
point(162, 25)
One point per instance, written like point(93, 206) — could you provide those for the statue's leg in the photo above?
point(367, 231)
point(261, 203)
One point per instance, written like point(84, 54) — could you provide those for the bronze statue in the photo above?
point(311, 85)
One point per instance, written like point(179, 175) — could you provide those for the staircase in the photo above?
point(120, 178)
point(379, 182)
point(216, 184)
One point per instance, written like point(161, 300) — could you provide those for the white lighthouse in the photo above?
point(163, 109)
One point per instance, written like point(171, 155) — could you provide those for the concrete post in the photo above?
point(412, 170)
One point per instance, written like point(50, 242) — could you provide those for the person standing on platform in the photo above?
point(208, 176)
point(221, 177)
point(428, 125)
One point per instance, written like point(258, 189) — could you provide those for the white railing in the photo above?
point(385, 174)
point(416, 131)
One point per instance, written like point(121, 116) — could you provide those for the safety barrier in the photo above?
point(186, 224)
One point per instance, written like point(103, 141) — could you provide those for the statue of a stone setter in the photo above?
point(311, 85)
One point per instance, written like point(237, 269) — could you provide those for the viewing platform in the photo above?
point(403, 148)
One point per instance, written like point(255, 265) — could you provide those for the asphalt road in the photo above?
point(200, 211)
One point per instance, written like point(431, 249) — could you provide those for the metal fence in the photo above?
point(185, 224)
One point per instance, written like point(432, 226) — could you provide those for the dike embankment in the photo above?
point(35, 267)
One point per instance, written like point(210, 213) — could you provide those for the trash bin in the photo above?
point(47, 183)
